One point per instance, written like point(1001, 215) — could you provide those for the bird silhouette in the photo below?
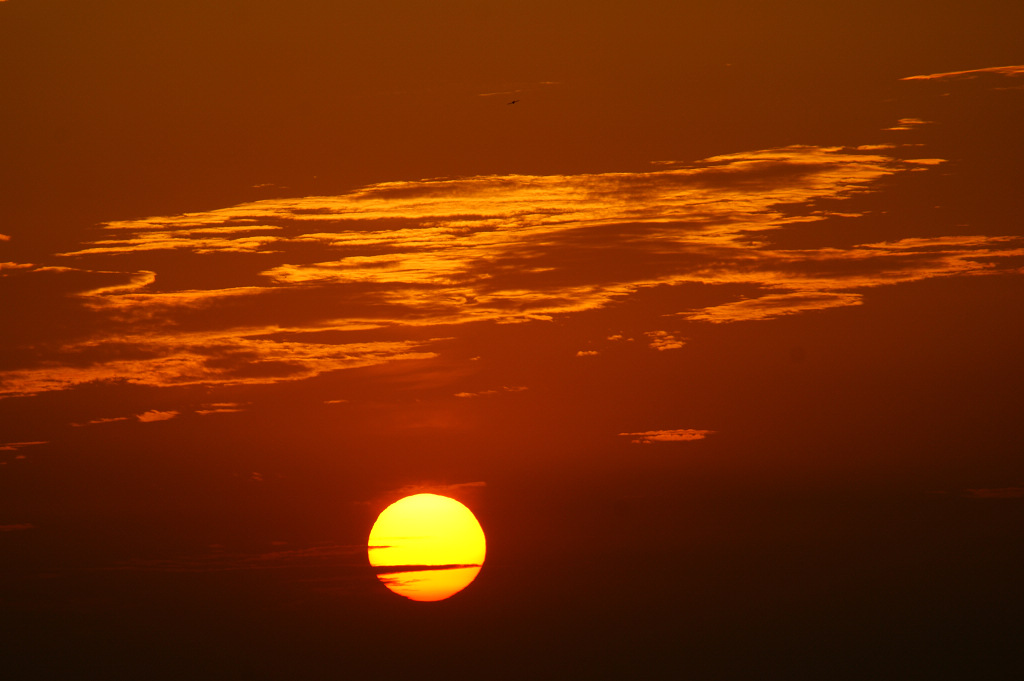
point(513, 101)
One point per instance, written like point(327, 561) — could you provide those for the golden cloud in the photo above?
point(232, 357)
point(313, 277)
point(154, 415)
point(15, 446)
point(680, 435)
point(972, 73)
point(665, 340)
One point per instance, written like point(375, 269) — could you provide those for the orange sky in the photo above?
point(719, 322)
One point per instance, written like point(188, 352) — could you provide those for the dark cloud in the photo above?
point(995, 493)
point(326, 555)
point(17, 527)
point(395, 570)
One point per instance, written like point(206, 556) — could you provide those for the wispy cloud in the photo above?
point(224, 239)
point(972, 73)
point(493, 391)
point(220, 408)
point(349, 279)
point(108, 419)
point(437, 488)
point(908, 124)
point(15, 446)
point(17, 527)
point(517, 88)
point(800, 281)
point(679, 435)
point(384, 570)
point(230, 357)
point(995, 493)
point(466, 492)
point(154, 415)
point(774, 305)
point(224, 561)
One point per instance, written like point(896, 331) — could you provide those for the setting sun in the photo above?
point(433, 543)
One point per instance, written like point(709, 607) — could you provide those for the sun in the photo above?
point(426, 547)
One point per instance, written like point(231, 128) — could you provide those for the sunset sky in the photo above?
point(712, 314)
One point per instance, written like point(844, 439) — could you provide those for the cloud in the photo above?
point(681, 435)
point(220, 408)
point(973, 73)
point(774, 305)
point(231, 357)
point(908, 124)
point(231, 233)
point(350, 280)
point(476, 394)
point(587, 353)
point(517, 88)
point(482, 393)
point(17, 527)
point(995, 493)
point(436, 224)
point(462, 491)
point(499, 94)
point(325, 555)
point(15, 266)
point(154, 415)
point(384, 570)
point(92, 422)
point(15, 446)
point(665, 340)
point(818, 279)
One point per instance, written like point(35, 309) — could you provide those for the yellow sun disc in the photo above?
point(426, 547)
